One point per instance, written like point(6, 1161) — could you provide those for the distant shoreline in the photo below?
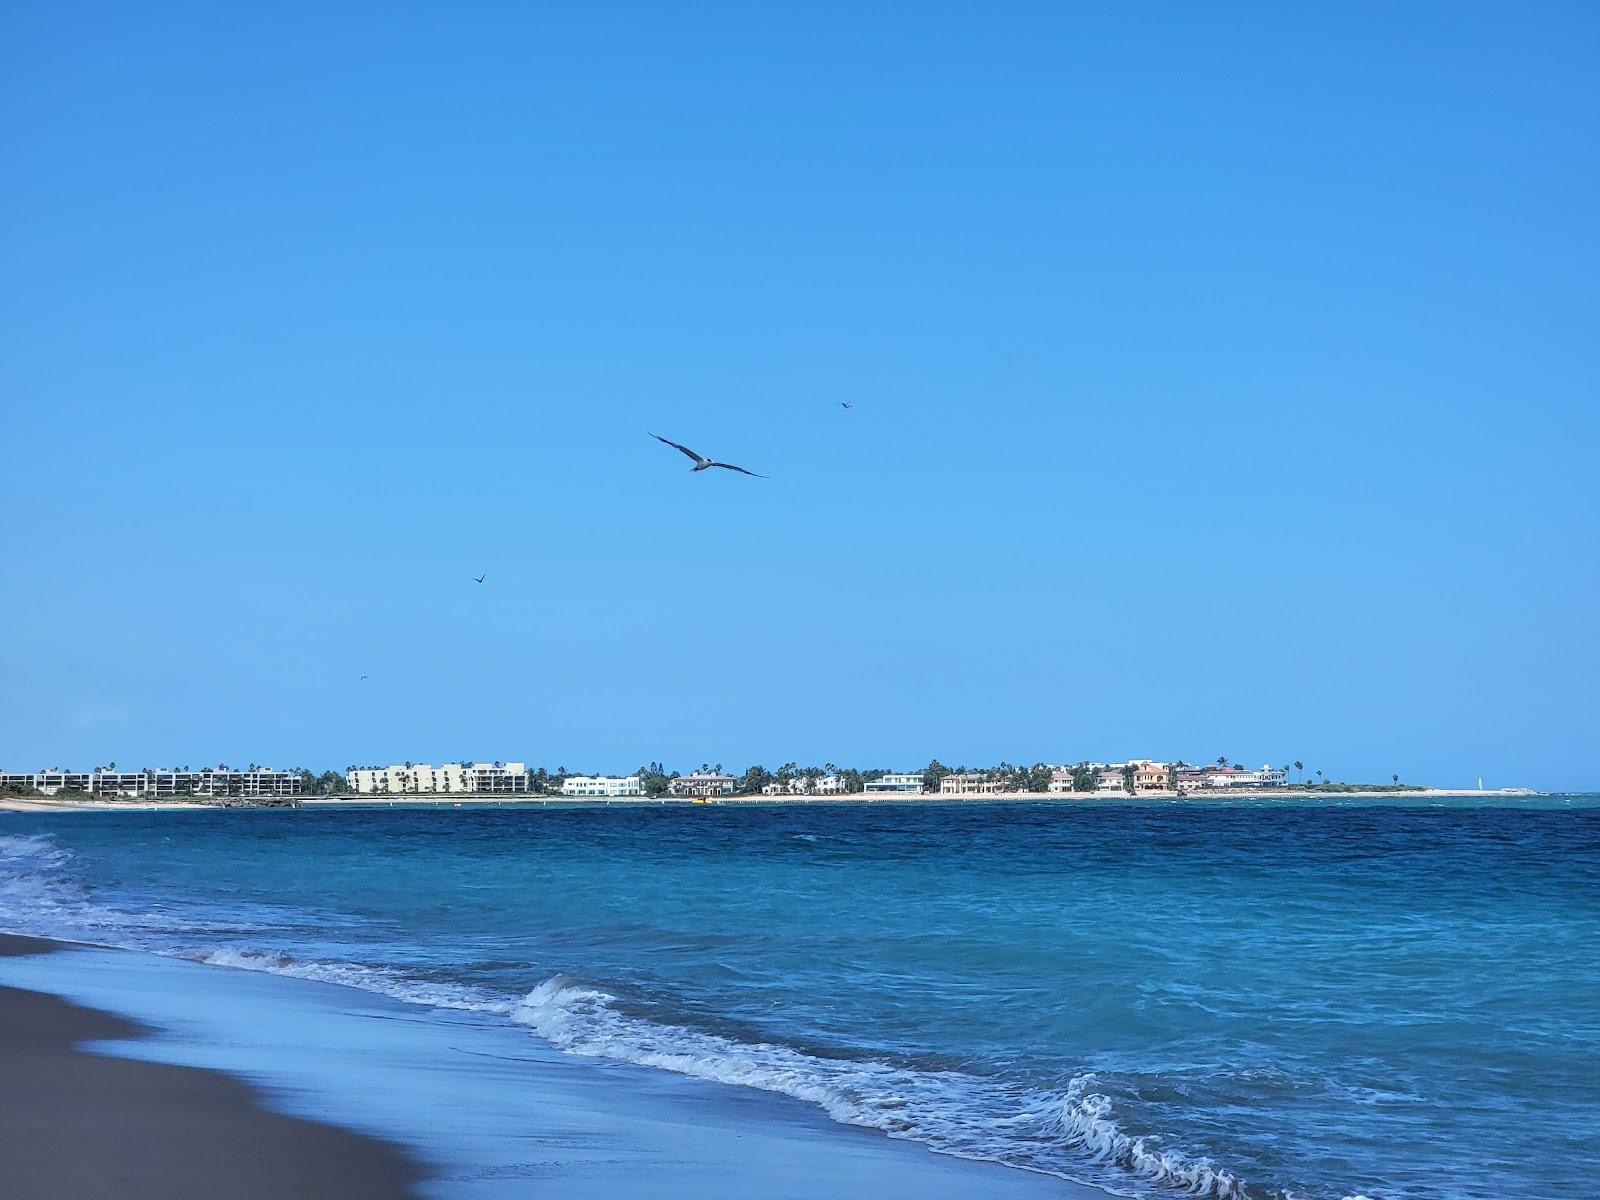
point(26, 804)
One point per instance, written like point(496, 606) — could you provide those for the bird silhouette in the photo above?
point(845, 404)
point(364, 677)
point(701, 462)
point(480, 578)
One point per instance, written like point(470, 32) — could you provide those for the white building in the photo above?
point(972, 783)
point(254, 783)
point(47, 782)
point(471, 778)
point(1061, 779)
point(906, 782)
point(802, 785)
point(607, 787)
point(1230, 777)
point(1109, 777)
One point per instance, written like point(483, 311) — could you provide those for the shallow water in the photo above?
point(1242, 1000)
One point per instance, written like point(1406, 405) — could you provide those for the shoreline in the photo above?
point(494, 1112)
point(79, 1119)
point(46, 804)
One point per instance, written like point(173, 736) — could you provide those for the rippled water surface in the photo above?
point(1242, 1000)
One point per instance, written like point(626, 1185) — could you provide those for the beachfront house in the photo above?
point(971, 783)
point(1109, 777)
point(1149, 776)
point(602, 787)
point(702, 784)
point(896, 782)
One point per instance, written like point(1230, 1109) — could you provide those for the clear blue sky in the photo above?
point(1225, 380)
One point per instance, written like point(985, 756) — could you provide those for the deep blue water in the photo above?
point(1245, 1000)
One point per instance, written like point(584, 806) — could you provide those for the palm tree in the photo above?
point(1396, 778)
point(1301, 768)
point(1222, 760)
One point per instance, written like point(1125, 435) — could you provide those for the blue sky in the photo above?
point(1225, 382)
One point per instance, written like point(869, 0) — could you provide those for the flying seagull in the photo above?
point(363, 677)
point(701, 462)
point(480, 578)
point(845, 404)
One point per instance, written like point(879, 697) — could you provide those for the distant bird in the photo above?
point(480, 578)
point(363, 677)
point(701, 462)
point(845, 404)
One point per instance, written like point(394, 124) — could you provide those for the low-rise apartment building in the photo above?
point(603, 787)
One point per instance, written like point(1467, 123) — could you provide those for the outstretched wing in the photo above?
point(741, 470)
point(676, 446)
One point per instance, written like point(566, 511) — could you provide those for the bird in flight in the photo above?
point(480, 578)
point(845, 404)
point(701, 462)
point(363, 677)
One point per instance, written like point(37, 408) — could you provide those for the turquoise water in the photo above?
point(1252, 1000)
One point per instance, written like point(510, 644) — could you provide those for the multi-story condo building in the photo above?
point(1061, 779)
point(47, 782)
point(703, 784)
point(254, 783)
point(123, 783)
point(493, 779)
point(904, 781)
point(607, 787)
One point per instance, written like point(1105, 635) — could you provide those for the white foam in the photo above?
point(383, 980)
point(951, 1112)
point(1086, 1122)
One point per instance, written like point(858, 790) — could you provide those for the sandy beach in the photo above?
point(80, 1123)
point(32, 804)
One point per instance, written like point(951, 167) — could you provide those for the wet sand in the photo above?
point(74, 1123)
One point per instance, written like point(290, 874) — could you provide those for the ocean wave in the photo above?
point(31, 849)
point(387, 981)
point(953, 1113)
point(1071, 1135)
point(40, 897)
point(1087, 1123)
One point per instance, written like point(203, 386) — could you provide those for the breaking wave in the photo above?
point(1087, 1123)
point(954, 1113)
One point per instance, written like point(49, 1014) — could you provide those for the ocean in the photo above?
point(1275, 1000)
